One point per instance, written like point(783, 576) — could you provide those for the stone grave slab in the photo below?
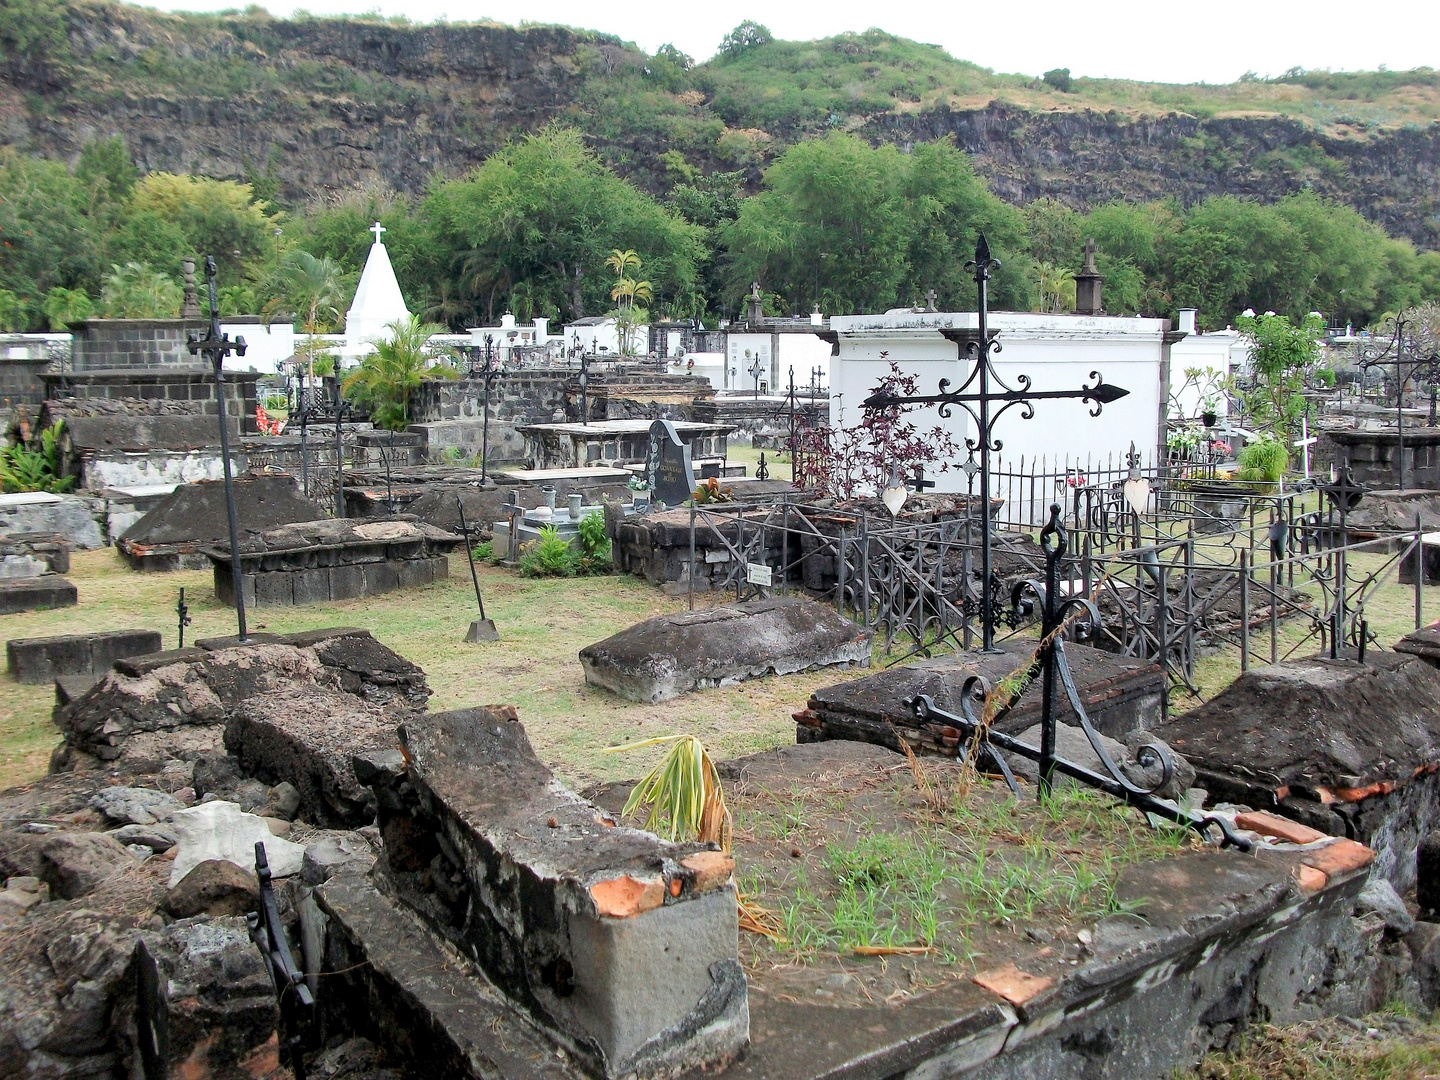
point(39, 660)
point(69, 516)
point(619, 946)
point(50, 548)
point(1424, 643)
point(1347, 748)
point(670, 655)
point(312, 562)
point(36, 594)
point(1120, 696)
point(172, 534)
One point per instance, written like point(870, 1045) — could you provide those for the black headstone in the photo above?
point(667, 465)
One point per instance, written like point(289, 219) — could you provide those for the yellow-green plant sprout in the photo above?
point(681, 795)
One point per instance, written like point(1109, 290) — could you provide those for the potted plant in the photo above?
point(1208, 412)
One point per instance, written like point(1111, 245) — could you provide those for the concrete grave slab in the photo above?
point(170, 536)
point(1120, 695)
point(36, 594)
point(1349, 749)
point(39, 660)
point(69, 516)
point(669, 655)
point(601, 934)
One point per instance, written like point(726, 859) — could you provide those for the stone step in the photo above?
point(403, 990)
point(36, 594)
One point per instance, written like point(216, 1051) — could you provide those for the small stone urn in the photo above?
point(549, 493)
point(576, 500)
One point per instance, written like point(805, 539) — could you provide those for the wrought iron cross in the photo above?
point(490, 371)
point(975, 396)
point(216, 346)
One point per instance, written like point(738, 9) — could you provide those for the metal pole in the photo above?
point(217, 356)
point(1419, 570)
point(470, 555)
point(485, 421)
point(1274, 612)
point(987, 616)
point(304, 455)
point(339, 456)
point(1244, 610)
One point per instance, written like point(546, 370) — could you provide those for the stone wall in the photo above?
point(531, 397)
point(1372, 455)
point(102, 344)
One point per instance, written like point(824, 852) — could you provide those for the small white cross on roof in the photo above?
point(377, 229)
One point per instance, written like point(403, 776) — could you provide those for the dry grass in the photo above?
point(1383, 1046)
point(543, 625)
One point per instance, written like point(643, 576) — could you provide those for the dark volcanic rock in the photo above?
point(670, 654)
point(76, 863)
point(308, 737)
point(214, 887)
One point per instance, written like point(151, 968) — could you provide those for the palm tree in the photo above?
point(310, 289)
point(622, 262)
point(386, 378)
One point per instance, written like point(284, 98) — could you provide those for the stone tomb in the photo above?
point(1121, 696)
point(619, 947)
point(67, 516)
point(670, 655)
point(36, 594)
point(1347, 748)
point(40, 660)
point(614, 442)
point(170, 536)
point(313, 562)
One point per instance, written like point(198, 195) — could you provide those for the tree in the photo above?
point(628, 293)
point(12, 312)
point(1059, 78)
point(313, 290)
point(388, 376)
point(215, 217)
point(64, 307)
point(47, 235)
point(748, 35)
point(1056, 288)
point(546, 211)
point(1281, 354)
point(134, 291)
point(105, 167)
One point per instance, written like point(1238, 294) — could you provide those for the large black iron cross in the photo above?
point(216, 346)
point(976, 398)
point(490, 371)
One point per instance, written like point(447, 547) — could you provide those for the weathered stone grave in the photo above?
point(68, 516)
point(171, 535)
point(619, 947)
point(313, 562)
point(36, 594)
point(40, 660)
point(1121, 696)
point(1347, 748)
point(670, 655)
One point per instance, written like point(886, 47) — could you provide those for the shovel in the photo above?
point(481, 629)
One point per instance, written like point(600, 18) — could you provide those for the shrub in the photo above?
point(1264, 460)
point(32, 468)
point(594, 545)
point(484, 552)
point(550, 556)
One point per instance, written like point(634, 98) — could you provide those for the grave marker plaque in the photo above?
point(667, 465)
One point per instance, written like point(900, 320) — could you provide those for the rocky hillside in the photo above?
point(310, 107)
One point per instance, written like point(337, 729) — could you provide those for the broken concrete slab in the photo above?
point(165, 694)
point(308, 736)
point(39, 660)
point(669, 655)
point(220, 830)
point(1120, 695)
point(600, 933)
point(36, 594)
point(68, 516)
point(51, 548)
point(1350, 749)
point(170, 536)
point(338, 853)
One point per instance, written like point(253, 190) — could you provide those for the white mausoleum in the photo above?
point(1057, 352)
point(376, 305)
point(1211, 357)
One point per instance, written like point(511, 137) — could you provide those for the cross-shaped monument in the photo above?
point(1304, 443)
point(377, 229)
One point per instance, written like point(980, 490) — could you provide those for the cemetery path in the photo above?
point(543, 624)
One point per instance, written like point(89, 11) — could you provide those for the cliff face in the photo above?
point(1084, 158)
point(322, 106)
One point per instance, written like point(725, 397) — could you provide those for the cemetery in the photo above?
point(964, 716)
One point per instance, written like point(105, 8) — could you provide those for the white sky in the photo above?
point(1214, 41)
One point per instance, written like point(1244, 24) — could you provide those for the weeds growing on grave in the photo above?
point(554, 556)
point(882, 873)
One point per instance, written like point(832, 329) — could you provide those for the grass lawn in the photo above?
point(543, 625)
